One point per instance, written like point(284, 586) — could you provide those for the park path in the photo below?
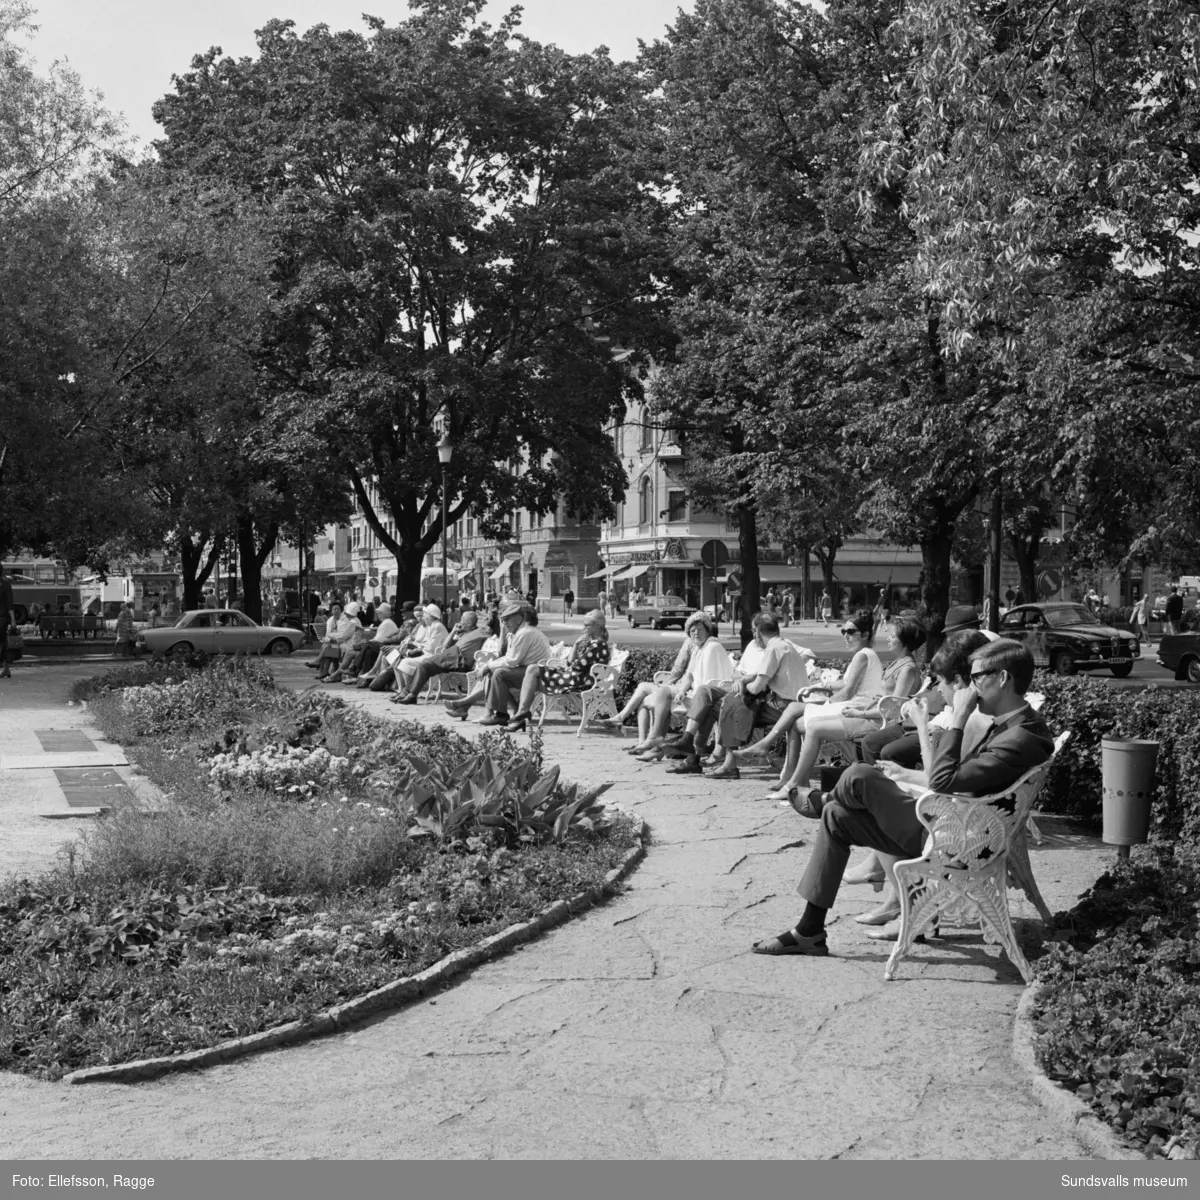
point(643, 1029)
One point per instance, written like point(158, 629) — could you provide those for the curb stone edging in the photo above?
point(390, 995)
point(1070, 1112)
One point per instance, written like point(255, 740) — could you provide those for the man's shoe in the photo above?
point(791, 942)
point(679, 748)
point(726, 773)
point(494, 719)
point(689, 766)
point(404, 700)
point(808, 804)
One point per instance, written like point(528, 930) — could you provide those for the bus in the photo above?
point(43, 582)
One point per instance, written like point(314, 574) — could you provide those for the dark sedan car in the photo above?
point(1067, 638)
point(1180, 652)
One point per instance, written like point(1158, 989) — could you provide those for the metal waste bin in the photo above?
point(1127, 769)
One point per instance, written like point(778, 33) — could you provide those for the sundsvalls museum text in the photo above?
point(1124, 1181)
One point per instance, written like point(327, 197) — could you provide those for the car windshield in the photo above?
point(1068, 614)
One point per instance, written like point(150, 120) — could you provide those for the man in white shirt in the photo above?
point(769, 667)
point(761, 698)
point(526, 645)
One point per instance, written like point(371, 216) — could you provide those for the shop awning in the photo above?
point(632, 572)
point(604, 572)
point(504, 568)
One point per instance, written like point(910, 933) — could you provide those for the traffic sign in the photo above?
point(1050, 582)
point(714, 554)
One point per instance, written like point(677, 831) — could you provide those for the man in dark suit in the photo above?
point(868, 809)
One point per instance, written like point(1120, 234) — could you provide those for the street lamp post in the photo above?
point(445, 452)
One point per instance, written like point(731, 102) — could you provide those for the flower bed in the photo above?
point(1119, 1014)
point(311, 854)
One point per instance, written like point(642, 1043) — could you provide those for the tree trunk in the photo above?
point(826, 553)
point(1026, 551)
point(408, 572)
point(936, 548)
point(751, 583)
point(252, 554)
point(195, 567)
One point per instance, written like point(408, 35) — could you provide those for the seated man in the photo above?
point(465, 640)
point(758, 666)
point(868, 809)
point(429, 638)
point(361, 661)
point(526, 645)
point(762, 698)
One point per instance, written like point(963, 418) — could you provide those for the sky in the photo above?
point(129, 49)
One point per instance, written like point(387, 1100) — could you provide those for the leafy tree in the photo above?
point(449, 200)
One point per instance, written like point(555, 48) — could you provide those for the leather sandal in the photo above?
point(790, 942)
point(726, 773)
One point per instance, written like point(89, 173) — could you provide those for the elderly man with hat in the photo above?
point(465, 639)
point(362, 651)
point(526, 646)
point(963, 617)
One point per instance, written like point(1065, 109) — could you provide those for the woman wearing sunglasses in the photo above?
point(862, 684)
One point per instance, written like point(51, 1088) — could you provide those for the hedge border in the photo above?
point(1075, 1117)
point(390, 995)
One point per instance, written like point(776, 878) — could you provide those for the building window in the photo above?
point(516, 520)
point(644, 502)
point(677, 506)
point(647, 431)
point(470, 527)
point(357, 538)
point(619, 440)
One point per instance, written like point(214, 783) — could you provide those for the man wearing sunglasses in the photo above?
point(868, 809)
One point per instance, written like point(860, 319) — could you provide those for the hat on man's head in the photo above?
point(432, 610)
point(961, 616)
point(352, 609)
point(514, 608)
point(408, 606)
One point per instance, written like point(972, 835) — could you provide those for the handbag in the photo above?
point(16, 645)
point(331, 651)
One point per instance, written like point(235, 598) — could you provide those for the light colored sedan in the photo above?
point(220, 631)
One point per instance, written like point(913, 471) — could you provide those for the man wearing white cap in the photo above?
point(429, 638)
point(527, 645)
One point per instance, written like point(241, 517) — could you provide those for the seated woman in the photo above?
point(338, 631)
point(951, 667)
point(838, 722)
point(701, 660)
point(576, 676)
point(863, 682)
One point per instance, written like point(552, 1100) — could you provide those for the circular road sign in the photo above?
point(714, 554)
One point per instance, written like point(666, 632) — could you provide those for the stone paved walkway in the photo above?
point(644, 1029)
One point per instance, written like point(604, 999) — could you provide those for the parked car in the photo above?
point(1067, 638)
point(220, 631)
point(660, 611)
point(1180, 652)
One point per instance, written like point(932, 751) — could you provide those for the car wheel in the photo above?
point(1191, 670)
point(180, 649)
point(280, 648)
point(1122, 669)
point(655, 625)
point(632, 622)
point(1062, 664)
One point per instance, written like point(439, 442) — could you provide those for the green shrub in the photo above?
point(1119, 1015)
point(1093, 711)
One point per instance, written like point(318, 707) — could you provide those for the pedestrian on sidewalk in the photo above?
point(6, 619)
point(826, 606)
point(568, 603)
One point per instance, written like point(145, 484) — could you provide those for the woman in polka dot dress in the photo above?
point(576, 676)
